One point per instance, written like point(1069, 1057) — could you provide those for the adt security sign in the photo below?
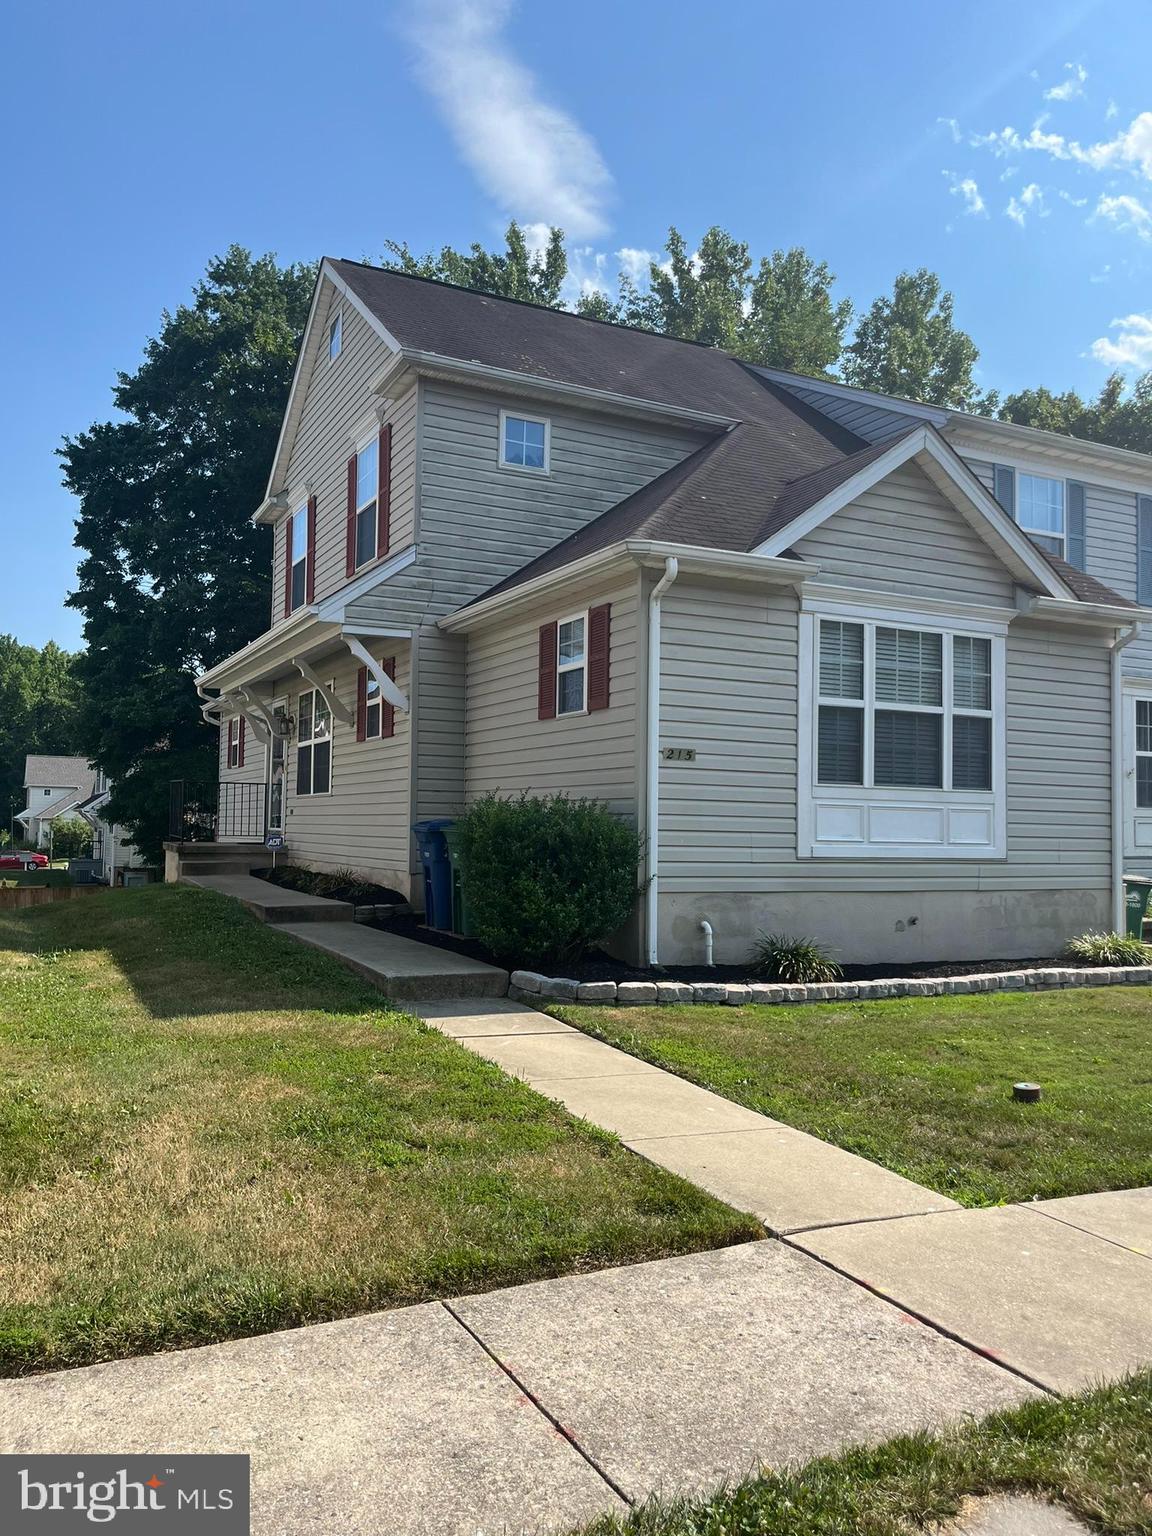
point(274, 841)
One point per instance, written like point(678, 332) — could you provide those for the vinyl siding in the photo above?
point(337, 403)
point(874, 423)
point(728, 820)
point(364, 822)
point(509, 749)
point(902, 537)
point(254, 771)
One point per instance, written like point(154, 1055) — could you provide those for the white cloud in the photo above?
point(1031, 200)
point(1125, 213)
point(1111, 111)
point(634, 263)
point(1076, 202)
point(952, 126)
point(1132, 347)
point(1103, 274)
point(1131, 149)
point(531, 157)
point(1070, 87)
point(966, 189)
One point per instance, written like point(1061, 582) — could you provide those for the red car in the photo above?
point(23, 860)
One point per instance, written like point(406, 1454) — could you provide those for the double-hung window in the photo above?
point(367, 490)
point(236, 742)
point(298, 544)
point(905, 750)
point(1143, 754)
point(524, 442)
point(313, 744)
point(1040, 510)
point(571, 665)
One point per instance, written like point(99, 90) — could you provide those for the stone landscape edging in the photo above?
point(531, 987)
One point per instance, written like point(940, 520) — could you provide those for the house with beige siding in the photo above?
point(855, 667)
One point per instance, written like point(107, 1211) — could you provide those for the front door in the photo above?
point(277, 754)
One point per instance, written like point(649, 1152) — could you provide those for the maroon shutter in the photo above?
point(546, 681)
point(350, 530)
point(384, 491)
point(599, 646)
point(288, 565)
point(240, 749)
point(310, 579)
point(362, 704)
point(388, 711)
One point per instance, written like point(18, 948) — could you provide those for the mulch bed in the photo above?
point(598, 966)
point(362, 894)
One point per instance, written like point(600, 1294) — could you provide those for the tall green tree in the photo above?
point(39, 713)
point(513, 273)
point(174, 576)
point(780, 314)
point(1119, 416)
point(909, 345)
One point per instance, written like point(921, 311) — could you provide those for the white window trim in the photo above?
point(1137, 818)
point(336, 319)
point(378, 703)
point(956, 812)
point(233, 743)
point(572, 666)
point(313, 794)
point(281, 703)
point(366, 442)
point(1060, 538)
point(526, 469)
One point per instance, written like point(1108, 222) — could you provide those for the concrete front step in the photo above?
point(403, 969)
point(272, 903)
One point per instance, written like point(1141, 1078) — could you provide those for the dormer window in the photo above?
point(524, 442)
point(335, 336)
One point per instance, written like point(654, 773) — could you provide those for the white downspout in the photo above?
point(1123, 639)
point(652, 807)
point(706, 930)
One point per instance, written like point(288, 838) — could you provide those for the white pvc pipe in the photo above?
point(1119, 809)
point(652, 807)
point(706, 929)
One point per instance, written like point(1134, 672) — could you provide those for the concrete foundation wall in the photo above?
point(884, 926)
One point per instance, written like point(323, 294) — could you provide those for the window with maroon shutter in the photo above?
point(599, 648)
point(288, 521)
point(234, 758)
point(298, 554)
point(310, 583)
point(546, 674)
point(243, 732)
point(350, 524)
point(384, 492)
point(379, 717)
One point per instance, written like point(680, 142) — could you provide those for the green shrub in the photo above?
point(546, 877)
point(1107, 949)
point(777, 957)
point(71, 838)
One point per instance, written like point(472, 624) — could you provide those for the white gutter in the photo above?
point(1123, 639)
point(652, 804)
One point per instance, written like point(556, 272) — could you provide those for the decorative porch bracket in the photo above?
point(338, 709)
point(257, 715)
point(395, 696)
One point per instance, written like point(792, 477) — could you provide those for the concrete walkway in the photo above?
point(1060, 1291)
point(274, 903)
point(530, 1409)
point(791, 1181)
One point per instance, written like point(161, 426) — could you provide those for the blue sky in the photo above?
point(1007, 147)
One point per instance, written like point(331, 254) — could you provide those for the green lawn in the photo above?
point(923, 1085)
point(1093, 1454)
point(207, 1130)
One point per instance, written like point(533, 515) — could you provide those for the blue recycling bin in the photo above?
point(437, 871)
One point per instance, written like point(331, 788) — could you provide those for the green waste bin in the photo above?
point(1136, 893)
point(461, 912)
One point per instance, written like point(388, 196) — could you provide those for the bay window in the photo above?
point(905, 752)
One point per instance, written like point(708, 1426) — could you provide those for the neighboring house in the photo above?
point(55, 787)
point(853, 666)
point(110, 844)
